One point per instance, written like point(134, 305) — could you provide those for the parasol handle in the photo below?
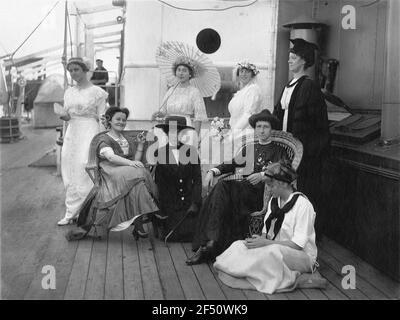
point(166, 99)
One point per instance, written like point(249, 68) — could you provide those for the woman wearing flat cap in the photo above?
point(224, 216)
point(273, 261)
point(302, 111)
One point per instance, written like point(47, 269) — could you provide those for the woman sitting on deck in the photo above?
point(125, 190)
point(286, 248)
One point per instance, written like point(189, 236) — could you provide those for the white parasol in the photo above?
point(206, 77)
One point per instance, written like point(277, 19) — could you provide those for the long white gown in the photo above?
point(85, 106)
point(274, 267)
point(245, 103)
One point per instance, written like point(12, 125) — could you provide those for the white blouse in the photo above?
point(123, 143)
point(297, 226)
point(285, 100)
point(184, 101)
point(244, 103)
point(89, 102)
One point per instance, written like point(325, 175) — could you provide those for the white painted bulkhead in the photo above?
point(247, 33)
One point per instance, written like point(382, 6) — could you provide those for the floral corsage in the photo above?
point(218, 126)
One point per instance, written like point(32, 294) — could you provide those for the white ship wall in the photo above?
point(246, 33)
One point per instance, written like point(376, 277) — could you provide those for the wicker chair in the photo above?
point(294, 150)
point(92, 166)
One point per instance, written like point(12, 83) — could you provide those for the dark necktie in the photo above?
point(279, 214)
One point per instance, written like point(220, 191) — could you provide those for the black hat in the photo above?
point(177, 121)
point(282, 171)
point(305, 50)
point(264, 115)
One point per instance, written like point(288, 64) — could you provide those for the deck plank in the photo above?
point(133, 287)
point(172, 288)
point(209, 285)
point(277, 296)
point(77, 279)
point(296, 295)
point(151, 282)
point(382, 282)
point(254, 295)
point(114, 286)
point(95, 282)
point(61, 261)
point(314, 294)
point(336, 279)
point(27, 216)
point(230, 293)
point(365, 287)
point(190, 285)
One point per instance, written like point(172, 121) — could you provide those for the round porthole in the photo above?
point(208, 40)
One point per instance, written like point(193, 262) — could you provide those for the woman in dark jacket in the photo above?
point(302, 111)
point(178, 178)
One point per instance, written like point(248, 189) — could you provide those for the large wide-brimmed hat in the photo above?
point(264, 115)
point(177, 122)
point(205, 75)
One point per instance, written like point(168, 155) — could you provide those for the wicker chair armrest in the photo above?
point(258, 213)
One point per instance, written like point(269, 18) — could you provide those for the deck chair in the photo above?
point(92, 166)
point(294, 150)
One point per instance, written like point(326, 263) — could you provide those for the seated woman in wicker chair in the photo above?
point(224, 216)
point(124, 190)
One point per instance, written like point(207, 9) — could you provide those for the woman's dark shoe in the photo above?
point(138, 230)
point(210, 246)
point(76, 234)
point(159, 226)
point(201, 255)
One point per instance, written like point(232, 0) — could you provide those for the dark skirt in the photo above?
point(225, 213)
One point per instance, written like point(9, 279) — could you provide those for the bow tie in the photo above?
point(289, 85)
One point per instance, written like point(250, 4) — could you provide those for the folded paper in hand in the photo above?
point(59, 109)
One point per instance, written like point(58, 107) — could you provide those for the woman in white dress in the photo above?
point(84, 104)
point(184, 99)
point(273, 261)
point(245, 102)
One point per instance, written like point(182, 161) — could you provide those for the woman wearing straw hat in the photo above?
point(184, 99)
point(83, 106)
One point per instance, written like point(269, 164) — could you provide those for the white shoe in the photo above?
point(64, 222)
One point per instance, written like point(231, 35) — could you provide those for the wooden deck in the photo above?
point(119, 267)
